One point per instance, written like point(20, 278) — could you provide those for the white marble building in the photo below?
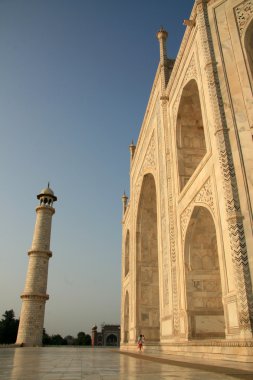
point(187, 251)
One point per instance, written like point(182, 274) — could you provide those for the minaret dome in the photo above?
point(46, 196)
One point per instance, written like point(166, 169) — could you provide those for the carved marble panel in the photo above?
point(148, 162)
point(191, 73)
point(204, 196)
point(244, 13)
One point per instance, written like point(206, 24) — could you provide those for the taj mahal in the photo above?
point(187, 228)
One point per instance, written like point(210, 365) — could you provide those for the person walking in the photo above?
point(140, 342)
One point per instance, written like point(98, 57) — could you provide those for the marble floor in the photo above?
point(72, 363)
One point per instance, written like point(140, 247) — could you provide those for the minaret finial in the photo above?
point(124, 202)
point(132, 150)
point(48, 184)
point(164, 62)
point(162, 37)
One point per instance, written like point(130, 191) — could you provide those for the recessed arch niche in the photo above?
point(248, 41)
point(191, 145)
point(147, 277)
point(127, 254)
point(202, 276)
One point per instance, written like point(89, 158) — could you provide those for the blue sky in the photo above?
point(75, 78)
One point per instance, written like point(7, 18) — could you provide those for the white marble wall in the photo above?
point(214, 57)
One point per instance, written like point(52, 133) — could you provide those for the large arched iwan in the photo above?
point(202, 276)
point(147, 276)
point(191, 145)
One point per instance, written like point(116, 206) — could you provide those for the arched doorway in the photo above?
point(127, 254)
point(112, 340)
point(100, 340)
point(202, 275)
point(191, 146)
point(147, 303)
point(248, 41)
point(126, 319)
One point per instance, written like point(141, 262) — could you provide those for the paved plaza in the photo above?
point(72, 363)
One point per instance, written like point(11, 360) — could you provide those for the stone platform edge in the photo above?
point(229, 368)
point(234, 351)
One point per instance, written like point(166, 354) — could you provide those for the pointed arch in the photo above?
point(147, 277)
point(248, 44)
point(191, 144)
point(202, 277)
point(111, 340)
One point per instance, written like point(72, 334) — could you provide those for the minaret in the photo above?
point(94, 336)
point(124, 203)
point(162, 36)
point(34, 296)
point(132, 148)
point(166, 65)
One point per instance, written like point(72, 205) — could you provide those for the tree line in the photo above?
point(9, 330)
point(82, 339)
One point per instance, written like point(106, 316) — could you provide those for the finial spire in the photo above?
point(48, 185)
point(132, 150)
point(124, 195)
point(165, 63)
point(124, 202)
point(162, 37)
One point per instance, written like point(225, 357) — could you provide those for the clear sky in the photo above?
point(75, 78)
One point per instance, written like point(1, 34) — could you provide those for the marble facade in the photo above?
point(187, 239)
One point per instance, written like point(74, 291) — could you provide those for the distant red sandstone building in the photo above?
point(108, 336)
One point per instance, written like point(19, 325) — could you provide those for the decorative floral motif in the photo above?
point(204, 196)
point(150, 160)
point(191, 72)
point(243, 13)
point(185, 216)
point(175, 107)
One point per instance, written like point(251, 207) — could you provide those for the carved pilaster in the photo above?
point(171, 228)
point(162, 178)
point(235, 224)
